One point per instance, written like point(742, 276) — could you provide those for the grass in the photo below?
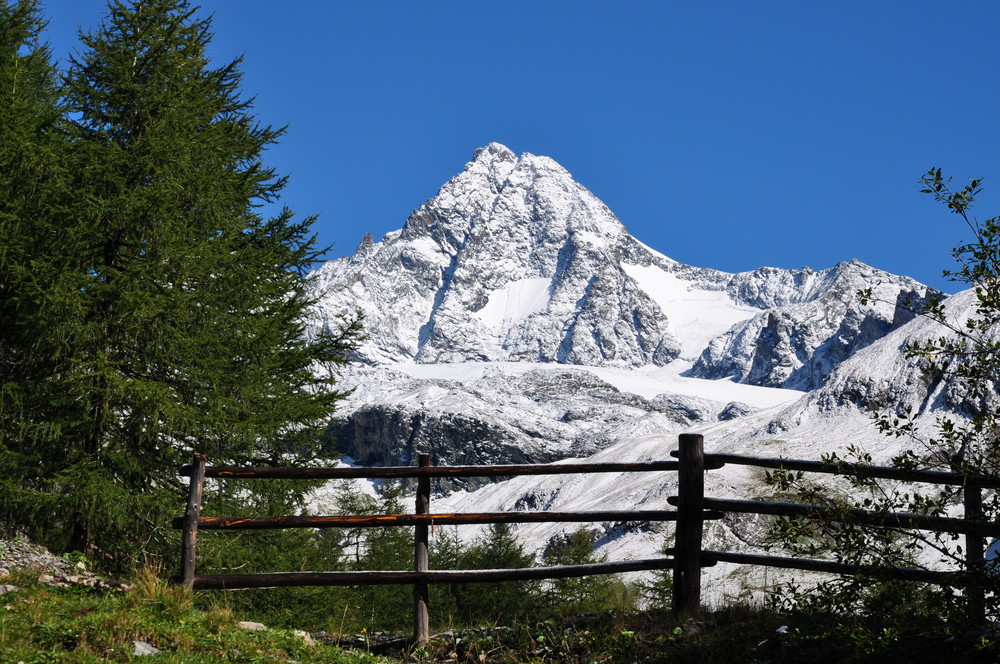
point(725, 636)
point(41, 623)
point(738, 634)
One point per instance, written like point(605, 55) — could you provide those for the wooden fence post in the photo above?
point(975, 552)
point(189, 535)
point(421, 615)
point(687, 541)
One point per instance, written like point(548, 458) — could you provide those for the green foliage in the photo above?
point(384, 607)
point(273, 551)
point(821, 636)
point(963, 363)
point(73, 625)
point(390, 607)
point(739, 633)
point(369, 608)
point(148, 309)
point(658, 592)
point(32, 177)
point(82, 626)
point(497, 547)
point(588, 594)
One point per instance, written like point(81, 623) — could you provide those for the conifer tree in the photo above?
point(498, 547)
point(582, 594)
point(32, 182)
point(177, 318)
point(381, 606)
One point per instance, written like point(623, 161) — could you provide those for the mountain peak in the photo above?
point(494, 152)
point(513, 260)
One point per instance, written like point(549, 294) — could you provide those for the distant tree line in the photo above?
point(390, 607)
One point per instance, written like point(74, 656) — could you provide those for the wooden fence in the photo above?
point(686, 558)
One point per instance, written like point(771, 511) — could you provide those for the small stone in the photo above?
point(54, 581)
point(81, 565)
point(305, 636)
point(252, 626)
point(7, 588)
point(691, 628)
point(143, 648)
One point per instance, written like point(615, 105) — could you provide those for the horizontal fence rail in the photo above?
point(456, 519)
point(371, 578)
point(831, 567)
point(686, 558)
point(404, 472)
point(906, 521)
point(192, 522)
point(856, 470)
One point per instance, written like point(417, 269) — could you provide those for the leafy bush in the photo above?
point(963, 364)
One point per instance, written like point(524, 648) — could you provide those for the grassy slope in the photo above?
point(40, 623)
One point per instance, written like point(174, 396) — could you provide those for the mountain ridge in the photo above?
point(512, 260)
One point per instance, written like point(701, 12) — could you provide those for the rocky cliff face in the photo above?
point(808, 330)
point(500, 415)
point(513, 260)
point(880, 379)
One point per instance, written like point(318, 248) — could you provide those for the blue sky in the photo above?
point(724, 134)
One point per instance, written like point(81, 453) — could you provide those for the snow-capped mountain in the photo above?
point(514, 319)
point(512, 260)
point(515, 261)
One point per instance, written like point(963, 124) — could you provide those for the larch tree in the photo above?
point(177, 319)
point(33, 178)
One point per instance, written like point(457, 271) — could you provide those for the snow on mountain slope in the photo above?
point(802, 426)
point(697, 315)
point(630, 491)
point(812, 320)
point(513, 260)
point(799, 343)
point(879, 378)
point(647, 382)
point(478, 413)
point(513, 303)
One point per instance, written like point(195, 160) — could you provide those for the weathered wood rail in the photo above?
point(686, 558)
